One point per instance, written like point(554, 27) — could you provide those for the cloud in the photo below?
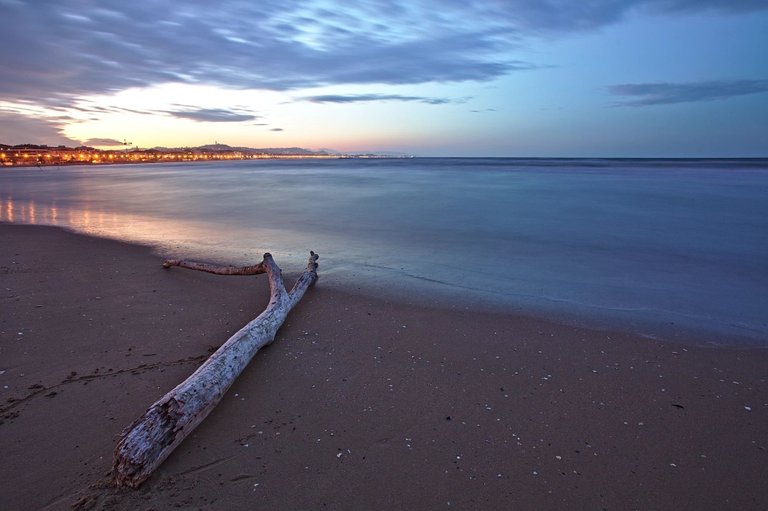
point(726, 6)
point(66, 49)
point(648, 94)
point(364, 98)
point(21, 129)
point(71, 48)
point(212, 115)
point(86, 107)
point(103, 142)
point(277, 129)
point(562, 17)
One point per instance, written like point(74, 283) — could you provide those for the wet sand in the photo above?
point(360, 403)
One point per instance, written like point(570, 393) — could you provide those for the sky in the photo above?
point(558, 78)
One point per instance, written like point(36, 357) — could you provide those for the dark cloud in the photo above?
point(20, 129)
point(647, 94)
point(110, 142)
point(83, 106)
point(212, 115)
point(65, 48)
point(732, 6)
point(56, 50)
point(563, 16)
point(365, 98)
point(277, 129)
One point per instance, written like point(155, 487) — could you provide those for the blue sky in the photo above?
point(433, 78)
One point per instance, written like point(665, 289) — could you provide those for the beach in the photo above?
point(360, 403)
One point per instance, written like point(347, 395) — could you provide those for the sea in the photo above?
point(667, 248)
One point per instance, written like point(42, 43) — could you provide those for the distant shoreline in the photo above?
point(35, 155)
point(146, 158)
point(138, 158)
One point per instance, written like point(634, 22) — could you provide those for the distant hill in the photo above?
point(286, 150)
point(256, 150)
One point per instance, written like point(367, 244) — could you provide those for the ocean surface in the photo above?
point(660, 247)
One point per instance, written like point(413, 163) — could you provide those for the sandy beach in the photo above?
point(360, 403)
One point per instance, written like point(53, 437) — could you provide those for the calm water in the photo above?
point(659, 247)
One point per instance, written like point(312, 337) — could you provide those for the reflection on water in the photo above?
point(661, 245)
point(28, 212)
point(171, 237)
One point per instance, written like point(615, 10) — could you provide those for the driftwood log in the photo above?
point(153, 436)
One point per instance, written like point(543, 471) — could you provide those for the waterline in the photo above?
point(659, 245)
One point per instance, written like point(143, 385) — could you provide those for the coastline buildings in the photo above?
point(30, 155)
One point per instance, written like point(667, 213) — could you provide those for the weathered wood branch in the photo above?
point(218, 270)
point(154, 435)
